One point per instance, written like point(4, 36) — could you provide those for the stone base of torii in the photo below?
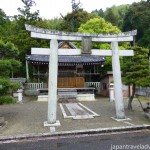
point(86, 39)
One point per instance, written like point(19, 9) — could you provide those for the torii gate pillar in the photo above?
point(120, 114)
point(52, 85)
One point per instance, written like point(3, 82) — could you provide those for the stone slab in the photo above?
point(116, 119)
point(83, 117)
point(46, 124)
point(75, 109)
point(86, 97)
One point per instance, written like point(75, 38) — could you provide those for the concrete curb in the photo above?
point(75, 132)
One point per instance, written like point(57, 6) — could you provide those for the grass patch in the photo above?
point(7, 100)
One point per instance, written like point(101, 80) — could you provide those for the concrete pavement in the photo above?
point(28, 118)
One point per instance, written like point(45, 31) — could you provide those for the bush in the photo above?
point(7, 100)
point(7, 86)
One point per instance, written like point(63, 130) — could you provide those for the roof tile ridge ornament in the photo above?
point(62, 33)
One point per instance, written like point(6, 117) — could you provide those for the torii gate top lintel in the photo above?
point(76, 36)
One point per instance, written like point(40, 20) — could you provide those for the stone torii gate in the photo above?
point(86, 39)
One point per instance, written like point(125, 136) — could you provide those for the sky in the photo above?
point(50, 9)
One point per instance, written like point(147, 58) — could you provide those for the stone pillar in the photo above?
point(120, 114)
point(111, 92)
point(52, 83)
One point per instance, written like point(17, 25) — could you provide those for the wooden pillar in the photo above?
point(38, 74)
point(27, 71)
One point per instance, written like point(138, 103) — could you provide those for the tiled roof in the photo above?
point(67, 59)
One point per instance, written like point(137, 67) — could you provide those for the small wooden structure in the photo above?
point(105, 82)
point(73, 71)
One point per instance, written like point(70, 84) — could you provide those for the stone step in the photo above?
point(67, 93)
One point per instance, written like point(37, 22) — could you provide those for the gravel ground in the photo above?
point(29, 117)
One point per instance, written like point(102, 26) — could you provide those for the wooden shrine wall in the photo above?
point(70, 82)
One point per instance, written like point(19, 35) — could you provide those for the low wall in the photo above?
point(86, 97)
point(31, 92)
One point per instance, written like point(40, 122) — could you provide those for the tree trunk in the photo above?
point(131, 97)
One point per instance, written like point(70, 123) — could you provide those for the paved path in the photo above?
point(29, 117)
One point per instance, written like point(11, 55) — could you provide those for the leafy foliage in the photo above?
point(7, 100)
point(8, 50)
point(75, 6)
point(7, 86)
point(8, 66)
point(100, 26)
point(54, 24)
point(8, 53)
point(5, 67)
point(138, 17)
point(110, 16)
point(145, 40)
point(114, 14)
point(20, 37)
point(136, 69)
point(99, 13)
point(73, 20)
point(25, 13)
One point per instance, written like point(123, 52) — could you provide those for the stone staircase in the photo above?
point(67, 93)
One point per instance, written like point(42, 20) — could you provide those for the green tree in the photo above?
point(8, 50)
point(73, 20)
point(25, 13)
point(4, 23)
point(20, 37)
point(145, 40)
point(75, 6)
point(136, 71)
point(8, 66)
point(110, 16)
point(5, 67)
point(116, 14)
point(8, 62)
point(138, 17)
point(100, 13)
point(54, 24)
point(100, 26)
